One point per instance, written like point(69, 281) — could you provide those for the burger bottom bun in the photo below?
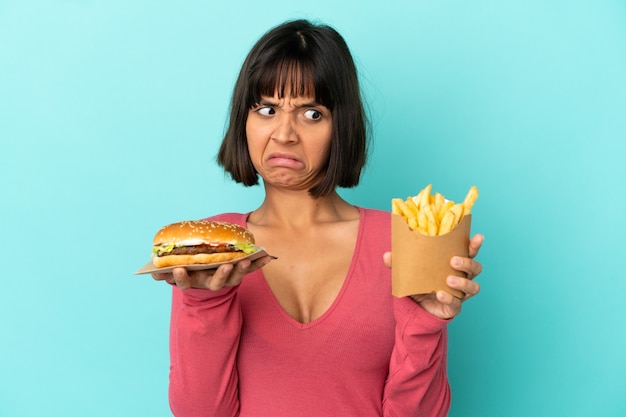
point(201, 258)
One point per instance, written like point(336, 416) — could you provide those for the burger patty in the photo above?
point(194, 250)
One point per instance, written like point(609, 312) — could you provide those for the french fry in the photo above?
point(447, 223)
point(412, 206)
point(417, 199)
point(422, 222)
point(470, 199)
point(413, 223)
point(394, 206)
point(432, 221)
point(425, 196)
point(433, 215)
point(457, 209)
point(438, 202)
point(402, 208)
point(444, 209)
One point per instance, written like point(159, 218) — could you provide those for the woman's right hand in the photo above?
point(226, 275)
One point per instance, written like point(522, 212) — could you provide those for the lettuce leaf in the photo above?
point(160, 250)
point(247, 248)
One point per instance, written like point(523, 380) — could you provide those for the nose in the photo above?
point(285, 129)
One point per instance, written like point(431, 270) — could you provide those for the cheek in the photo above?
point(255, 131)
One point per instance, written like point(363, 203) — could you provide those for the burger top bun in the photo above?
point(202, 230)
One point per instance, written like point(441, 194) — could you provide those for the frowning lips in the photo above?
point(281, 159)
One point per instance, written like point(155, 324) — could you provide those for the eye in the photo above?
point(266, 111)
point(313, 114)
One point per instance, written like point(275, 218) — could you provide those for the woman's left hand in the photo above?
point(443, 304)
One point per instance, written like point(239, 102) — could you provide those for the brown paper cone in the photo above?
point(421, 264)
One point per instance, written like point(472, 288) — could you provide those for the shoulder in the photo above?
point(375, 229)
point(235, 218)
point(375, 217)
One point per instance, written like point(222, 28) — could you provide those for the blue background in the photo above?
point(110, 117)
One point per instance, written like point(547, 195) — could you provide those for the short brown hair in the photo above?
point(314, 60)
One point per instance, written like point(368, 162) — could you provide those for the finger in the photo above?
point(444, 297)
point(161, 276)
point(475, 243)
point(181, 278)
point(387, 259)
point(451, 304)
point(466, 286)
point(237, 272)
point(169, 278)
point(243, 266)
point(467, 265)
point(217, 281)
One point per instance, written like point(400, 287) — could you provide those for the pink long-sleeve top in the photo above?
point(236, 352)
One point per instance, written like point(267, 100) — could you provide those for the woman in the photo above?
point(316, 332)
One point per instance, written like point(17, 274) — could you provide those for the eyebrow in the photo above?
point(266, 102)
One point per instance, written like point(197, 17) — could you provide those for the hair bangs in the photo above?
point(289, 77)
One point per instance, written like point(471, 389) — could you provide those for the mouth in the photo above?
point(279, 159)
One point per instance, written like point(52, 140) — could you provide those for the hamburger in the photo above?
point(200, 242)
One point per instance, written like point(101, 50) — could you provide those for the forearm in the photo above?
point(417, 384)
point(204, 337)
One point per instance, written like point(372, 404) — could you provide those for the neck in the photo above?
point(298, 209)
